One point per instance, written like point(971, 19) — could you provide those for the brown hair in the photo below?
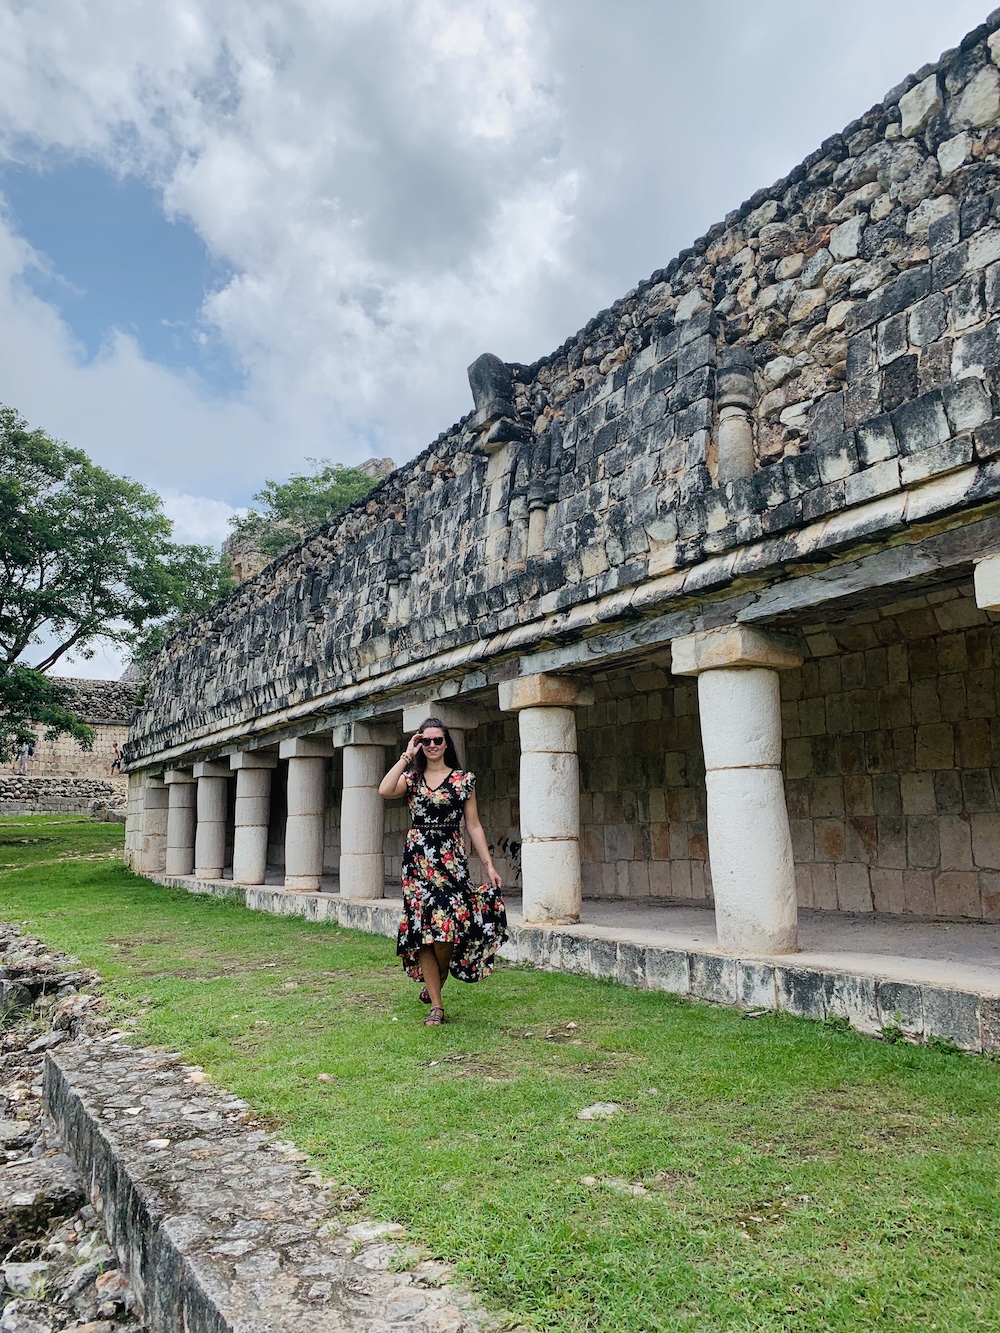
point(450, 753)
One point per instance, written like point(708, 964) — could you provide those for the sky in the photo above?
point(235, 237)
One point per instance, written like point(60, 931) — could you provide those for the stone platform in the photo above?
point(929, 979)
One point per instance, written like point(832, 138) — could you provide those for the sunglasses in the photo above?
point(431, 740)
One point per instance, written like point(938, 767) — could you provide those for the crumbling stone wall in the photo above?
point(849, 314)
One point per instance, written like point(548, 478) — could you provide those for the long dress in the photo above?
point(441, 905)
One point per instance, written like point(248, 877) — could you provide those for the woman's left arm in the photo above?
point(478, 839)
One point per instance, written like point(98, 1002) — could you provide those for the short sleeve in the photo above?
point(410, 779)
point(468, 785)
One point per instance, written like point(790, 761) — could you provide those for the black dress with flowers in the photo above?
point(441, 905)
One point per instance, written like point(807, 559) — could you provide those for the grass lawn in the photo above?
point(793, 1177)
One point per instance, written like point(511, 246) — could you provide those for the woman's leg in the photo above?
point(443, 952)
point(432, 974)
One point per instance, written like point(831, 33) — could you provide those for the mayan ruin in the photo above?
point(709, 594)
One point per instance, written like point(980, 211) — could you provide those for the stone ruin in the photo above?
point(709, 594)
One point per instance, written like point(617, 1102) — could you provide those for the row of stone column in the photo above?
point(749, 841)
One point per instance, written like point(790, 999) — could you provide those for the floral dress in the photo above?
point(441, 905)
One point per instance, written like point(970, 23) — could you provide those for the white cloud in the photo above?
point(198, 519)
point(398, 185)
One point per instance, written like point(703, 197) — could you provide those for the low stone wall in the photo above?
point(19, 795)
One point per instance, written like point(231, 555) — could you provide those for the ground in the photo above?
point(758, 1174)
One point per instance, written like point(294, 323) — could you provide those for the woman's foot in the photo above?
point(435, 1018)
point(424, 997)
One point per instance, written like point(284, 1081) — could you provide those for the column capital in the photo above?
point(253, 759)
point(364, 733)
point(306, 747)
point(730, 646)
point(987, 583)
point(212, 768)
point(544, 691)
point(459, 716)
point(172, 776)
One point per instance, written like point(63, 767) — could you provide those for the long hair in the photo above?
point(450, 753)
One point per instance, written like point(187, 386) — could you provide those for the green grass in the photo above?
point(798, 1178)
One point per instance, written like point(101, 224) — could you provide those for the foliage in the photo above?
point(29, 700)
point(287, 510)
point(795, 1178)
point(84, 555)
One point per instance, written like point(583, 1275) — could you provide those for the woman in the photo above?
point(449, 924)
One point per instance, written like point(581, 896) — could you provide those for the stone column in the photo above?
point(362, 821)
point(210, 834)
point(304, 829)
point(749, 842)
point(735, 396)
point(549, 793)
point(182, 798)
point(253, 814)
point(153, 847)
point(458, 718)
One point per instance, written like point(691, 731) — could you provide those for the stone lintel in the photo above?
point(987, 583)
point(460, 717)
point(212, 768)
point(253, 759)
point(306, 747)
point(364, 733)
point(544, 691)
point(730, 646)
point(153, 777)
point(173, 776)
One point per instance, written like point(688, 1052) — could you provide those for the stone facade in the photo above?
point(766, 474)
point(61, 771)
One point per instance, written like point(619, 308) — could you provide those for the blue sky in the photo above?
point(234, 237)
point(114, 260)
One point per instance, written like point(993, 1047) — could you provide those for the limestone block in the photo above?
point(543, 691)
point(253, 759)
point(550, 796)
point(460, 717)
point(547, 730)
point(212, 768)
point(306, 747)
point(740, 711)
point(181, 776)
point(753, 874)
point(552, 884)
point(919, 105)
point(365, 733)
point(987, 583)
point(362, 875)
point(979, 103)
point(364, 766)
point(845, 242)
point(730, 646)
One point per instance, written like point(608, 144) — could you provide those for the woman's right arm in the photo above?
point(394, 782)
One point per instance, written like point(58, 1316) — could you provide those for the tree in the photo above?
point(287, 510)
point(84, 555)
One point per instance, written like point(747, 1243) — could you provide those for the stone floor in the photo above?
point(957, 955)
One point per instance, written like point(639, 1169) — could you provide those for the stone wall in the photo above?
point(848, 314)
point(64, 758)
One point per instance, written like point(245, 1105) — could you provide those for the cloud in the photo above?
point(396, 186)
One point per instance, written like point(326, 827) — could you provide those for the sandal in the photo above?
point(435, 1018)
point(423, 997)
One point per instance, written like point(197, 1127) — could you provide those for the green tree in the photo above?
point(84, 555)
point(285, 511)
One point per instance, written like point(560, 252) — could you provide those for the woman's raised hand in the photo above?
point(413, 747)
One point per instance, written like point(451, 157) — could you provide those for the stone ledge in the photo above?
point(798, 984)
point(218, 1224)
